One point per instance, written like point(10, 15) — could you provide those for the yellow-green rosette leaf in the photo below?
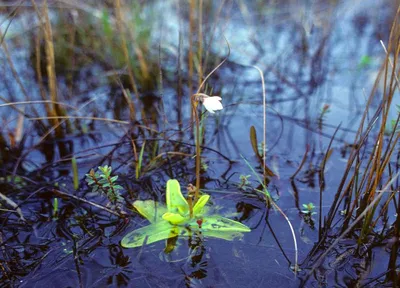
point(154, 232)
point(219, 223)
point(150, 209)
point(198, 207)
point(174, 218)
point(226, 235)
point(175, 200)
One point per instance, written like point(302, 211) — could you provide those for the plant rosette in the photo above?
point(308, 209)
point(174, 220)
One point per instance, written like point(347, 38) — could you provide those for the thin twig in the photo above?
point(301, 163)
point(13, 204)
point(37, 102)
point(82, 117)
point(88, 202)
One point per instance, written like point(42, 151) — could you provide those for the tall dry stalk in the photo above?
point(200, 42)
point(192, 9)
point(55, 110)
point(360, 196)
point(124, 47)
point(17, 79)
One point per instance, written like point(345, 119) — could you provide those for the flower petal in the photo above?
point(153, 232)
point(198, 207)
point(212, 103)
point(150, 209)
point(175, 200)
point(208, 107)
point(217, 105)
point(219, 223)
point(174, 218)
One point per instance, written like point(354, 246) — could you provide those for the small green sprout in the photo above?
point(244, 181)
point(321, 118)
point(103, 182)
point(308, 209)
point(261, 148)
point(66, 250)
point(55, 208)
point(174, 220)
point(204, 166)
point(365, 61)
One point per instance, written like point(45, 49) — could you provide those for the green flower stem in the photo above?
point(198, 151)
point(194, 107)
point(190, 202)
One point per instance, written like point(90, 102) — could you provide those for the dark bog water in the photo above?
point(314, 55)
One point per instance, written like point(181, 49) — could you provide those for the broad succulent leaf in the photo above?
point(226, 235)
point(153, 232)
point(219, 223)
point(175, 200)
point(150, 209)
point(174, 218)
point(198, 207)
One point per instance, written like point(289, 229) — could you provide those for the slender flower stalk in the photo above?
point(198, 153)
point(194, 99)
point(211, 103)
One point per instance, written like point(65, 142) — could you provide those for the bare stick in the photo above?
point(37, 102)
point(82, 117)
point(88, 202)
point(14, 205)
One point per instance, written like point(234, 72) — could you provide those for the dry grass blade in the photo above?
point(303, 160)
point(37, 102)
point(264, 119)
point(322, 180)
point(16, 77)
point(19, 129)
point(253, 140)
point(55, 110)
point(89, 202)
point(14, 205)
point(82, 117)
point(61, 122)
point(319, 260)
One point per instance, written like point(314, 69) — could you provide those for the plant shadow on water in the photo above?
point(104, 102)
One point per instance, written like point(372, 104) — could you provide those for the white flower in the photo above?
point(212, 103)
